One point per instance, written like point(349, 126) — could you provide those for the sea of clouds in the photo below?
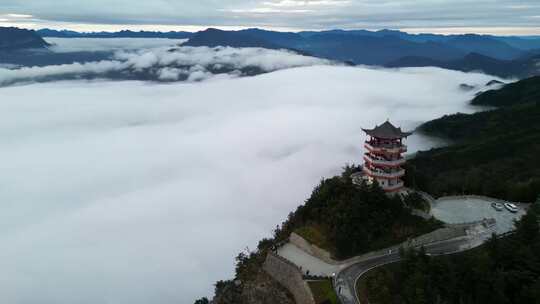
point(67, 45)
point(161, 60)
point(137, 192)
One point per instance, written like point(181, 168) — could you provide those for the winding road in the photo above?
point(345, 280)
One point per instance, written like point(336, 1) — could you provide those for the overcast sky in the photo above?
point(443, 16)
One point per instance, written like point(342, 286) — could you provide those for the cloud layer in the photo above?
point(133, 192)
point(135, 61)
point(65, 45)
point(296, 14)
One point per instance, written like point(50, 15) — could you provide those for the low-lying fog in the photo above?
point(133, 192)
point(66, 45)
point(158, 60)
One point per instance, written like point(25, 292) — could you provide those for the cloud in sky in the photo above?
point(293, 14)
point(133, 192)
point(152, 59)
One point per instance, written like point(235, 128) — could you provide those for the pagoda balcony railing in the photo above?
point(390, 148)
point(383, 162)
point(379, 173)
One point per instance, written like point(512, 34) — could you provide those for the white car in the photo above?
point(511, 207)
point(497, 206)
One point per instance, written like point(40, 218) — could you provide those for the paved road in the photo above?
point(346, 279)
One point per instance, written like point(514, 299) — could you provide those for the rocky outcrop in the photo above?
point(289, 276)
point(265, 290)
point(261, 290)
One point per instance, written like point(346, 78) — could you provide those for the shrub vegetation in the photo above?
point(502, 271)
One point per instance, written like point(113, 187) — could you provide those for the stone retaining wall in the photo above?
point(438, 235)
point(290, 276)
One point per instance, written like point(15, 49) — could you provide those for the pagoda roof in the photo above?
point(387, 131)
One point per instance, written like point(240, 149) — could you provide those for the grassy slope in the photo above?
point(323, 292)
point(317, 235)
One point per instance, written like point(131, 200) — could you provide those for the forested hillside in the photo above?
point(349, 220)
point(503, 271)
point(494, 153)
point(340, 216)
point(524, 91)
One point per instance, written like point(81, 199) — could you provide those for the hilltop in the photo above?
point(13, 39)
point(340, 217)
point(521, 92)
point(214, 37)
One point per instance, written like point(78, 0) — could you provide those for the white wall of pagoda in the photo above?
point(383, 162)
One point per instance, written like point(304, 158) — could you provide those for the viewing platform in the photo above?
point(370, 158)
point(380, 173)
point(384, 148)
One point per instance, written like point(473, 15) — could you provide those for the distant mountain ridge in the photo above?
point(485, 45)
point(214, 37)
point(521, 68)
point(490, 54)
point(12, 39)
point(337, 45)
point(497, 55)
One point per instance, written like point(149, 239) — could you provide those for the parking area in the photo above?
point(469, 209)
point(309, 263)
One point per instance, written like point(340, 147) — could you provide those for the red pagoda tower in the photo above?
point(383, 159)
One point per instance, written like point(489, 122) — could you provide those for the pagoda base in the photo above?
point(359, 178)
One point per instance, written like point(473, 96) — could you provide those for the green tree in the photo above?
point(378, 287)
point(527, 228)
point(202, 301)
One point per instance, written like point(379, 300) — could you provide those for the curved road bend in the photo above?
point(345, 282)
